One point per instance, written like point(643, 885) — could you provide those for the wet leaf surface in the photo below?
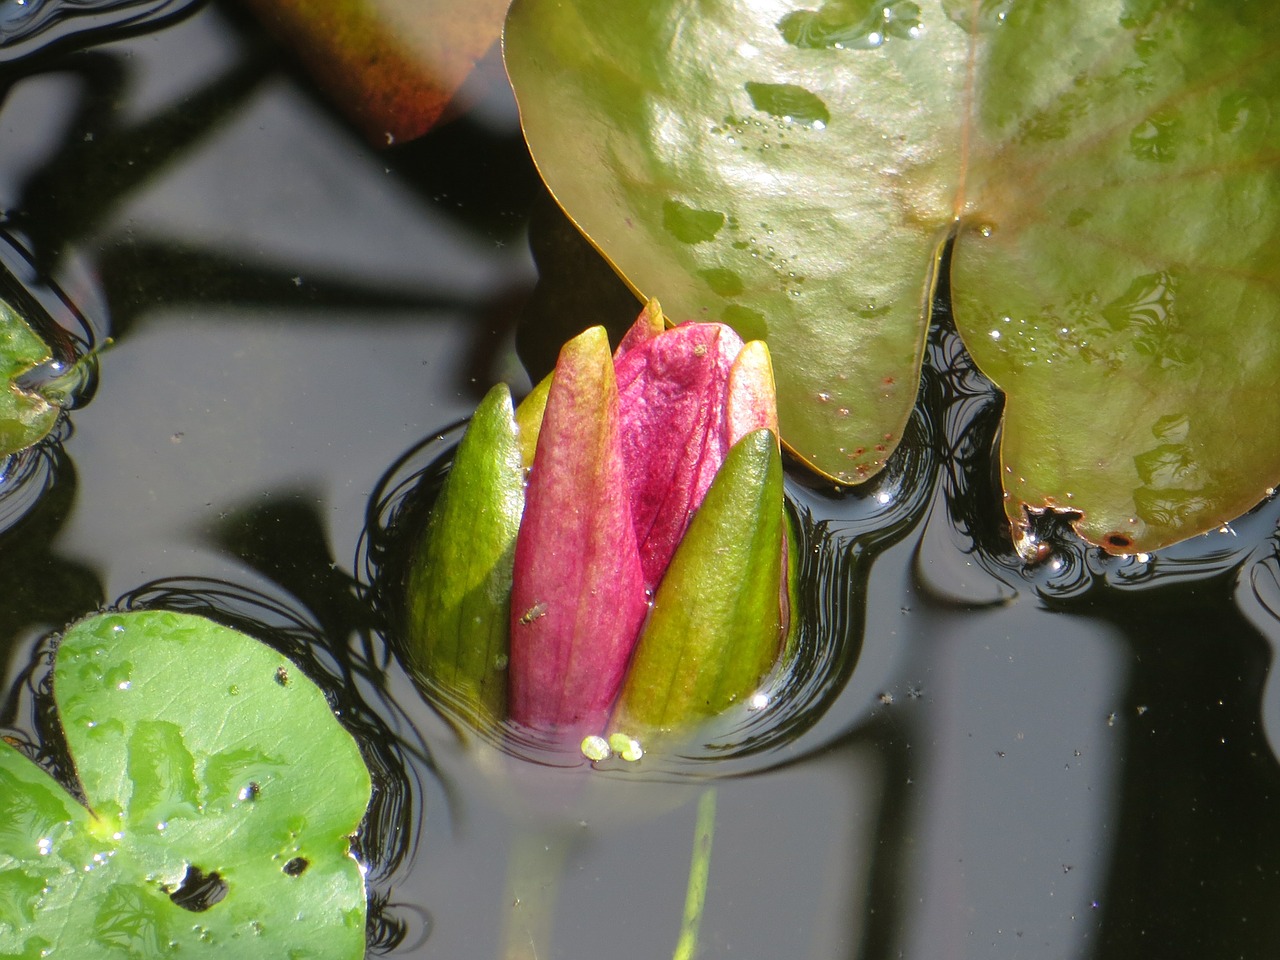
point(1108, 172)
point(1116, 272)
point(221, 795)
point(25, 417)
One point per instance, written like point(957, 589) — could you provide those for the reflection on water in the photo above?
point(31, 27)
point(69, 315)
point(26, 476)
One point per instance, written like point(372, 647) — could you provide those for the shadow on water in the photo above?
point(1180, 813)
point(100, 160)
point(1196, 862)
point(473, 175)
point(42, 589)
point(1193, 864)
point(101, 163)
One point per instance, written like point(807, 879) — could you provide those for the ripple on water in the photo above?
point(833, 555)
point(30, 27)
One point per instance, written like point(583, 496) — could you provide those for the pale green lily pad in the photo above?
point(214, 774)
point(1109, 170)
point(25, 417)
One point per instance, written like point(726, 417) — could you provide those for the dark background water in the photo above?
point(1071, 760)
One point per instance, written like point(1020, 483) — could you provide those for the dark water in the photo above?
point(1071, 760)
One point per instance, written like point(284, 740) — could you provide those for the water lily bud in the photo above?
point(578, 597)
point(717, 622)
point(459, 584)
point(652, 473)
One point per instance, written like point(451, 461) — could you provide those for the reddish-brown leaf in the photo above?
point(392, 66)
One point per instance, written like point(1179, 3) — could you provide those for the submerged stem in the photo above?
point(533, 883)
point(699, 869)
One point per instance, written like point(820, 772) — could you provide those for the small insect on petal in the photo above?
point(533, 613)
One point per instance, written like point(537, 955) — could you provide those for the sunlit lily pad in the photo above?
point(25, 417)
point(221, 797)
point(1108, 169)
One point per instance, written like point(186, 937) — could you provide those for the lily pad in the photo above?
point(1108, 171)
point(392, 66)
point(25, 417)
point(220, 797)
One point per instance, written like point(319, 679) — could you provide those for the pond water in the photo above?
point(1068, 760)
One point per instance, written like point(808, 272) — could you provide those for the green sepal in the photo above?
point(459, 584)
point(717, 621)
point(529, 418)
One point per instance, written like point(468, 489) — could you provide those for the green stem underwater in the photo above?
point(699, 869)
point(533, 884)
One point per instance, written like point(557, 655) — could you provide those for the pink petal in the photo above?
point(578, 598)
point(647, 327)
point(672, 391)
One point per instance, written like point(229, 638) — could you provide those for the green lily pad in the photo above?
point(1108, 171)
point(221, 794)
point(25, 417)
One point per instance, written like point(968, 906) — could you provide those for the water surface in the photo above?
point(1069, 760)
